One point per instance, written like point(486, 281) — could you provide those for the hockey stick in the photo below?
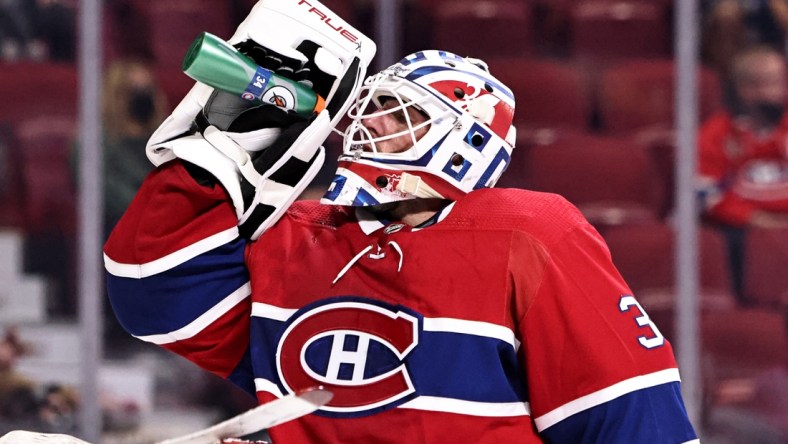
point(25, 437)
point(259, 418)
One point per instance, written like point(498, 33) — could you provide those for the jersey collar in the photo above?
point(369, 223)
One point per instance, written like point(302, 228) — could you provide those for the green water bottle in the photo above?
point(216, 63)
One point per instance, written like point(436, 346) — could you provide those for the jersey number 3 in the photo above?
point(625, 304)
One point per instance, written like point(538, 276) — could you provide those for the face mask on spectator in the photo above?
point(769, 112)
point(141, 105)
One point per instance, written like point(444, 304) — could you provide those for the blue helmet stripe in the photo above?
point(420, 72)
point(363, 199)
point(502, 157)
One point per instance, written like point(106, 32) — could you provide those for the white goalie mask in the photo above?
point(468, 141)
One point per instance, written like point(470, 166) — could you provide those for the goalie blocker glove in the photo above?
point(263, 155)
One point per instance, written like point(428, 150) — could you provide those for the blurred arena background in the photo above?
point(595, 83)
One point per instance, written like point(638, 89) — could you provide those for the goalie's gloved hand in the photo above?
point(276, 152)
point(259, 153)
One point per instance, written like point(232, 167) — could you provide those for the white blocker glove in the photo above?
point(262, 155)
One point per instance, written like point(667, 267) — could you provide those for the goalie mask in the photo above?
point(456, 132)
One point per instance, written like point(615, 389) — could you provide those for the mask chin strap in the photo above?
point(416, 187)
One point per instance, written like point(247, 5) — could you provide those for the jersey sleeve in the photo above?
point(176, 275)
point(597, 369)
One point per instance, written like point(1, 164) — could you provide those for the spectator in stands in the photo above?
point(26, 405)
point(17, 393)
point(133, 105)
point(38, 29)
point(57, 410)
point(743, 164)
point(732, 25)
point(18, 30)
point(56, 26)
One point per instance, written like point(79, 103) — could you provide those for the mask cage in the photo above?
point(374, 99)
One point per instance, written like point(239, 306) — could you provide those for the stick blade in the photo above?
point(259, 418)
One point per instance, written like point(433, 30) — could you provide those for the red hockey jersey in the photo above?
point(503, 321)
point(740, 172)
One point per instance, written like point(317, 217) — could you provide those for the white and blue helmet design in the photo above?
point(467, 146)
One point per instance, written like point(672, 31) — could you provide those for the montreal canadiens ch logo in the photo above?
point(352, 347)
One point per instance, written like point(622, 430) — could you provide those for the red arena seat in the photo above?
point(604, 29)
point(29, 88)
point(608, 178)
point(174, 24)
point(483, 28)
point(46, 145)
point(640, 93)
point(547, 93)
point(765, 265)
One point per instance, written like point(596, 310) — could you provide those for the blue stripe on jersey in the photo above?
point(444, 364)
point(468, 367)
point(655, 409)
point(242, 375)
point(170, 300)
point(265, 334)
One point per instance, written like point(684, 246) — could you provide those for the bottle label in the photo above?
point(258, 85)
point(279, 96)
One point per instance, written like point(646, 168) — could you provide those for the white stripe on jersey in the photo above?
point(264, 385)
point(605, 395)
point(449, 325)
point(436, 404)
point(172, 260)
point(268, 311)
point(203, 320)
point(473, 408)
point(476, 328)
